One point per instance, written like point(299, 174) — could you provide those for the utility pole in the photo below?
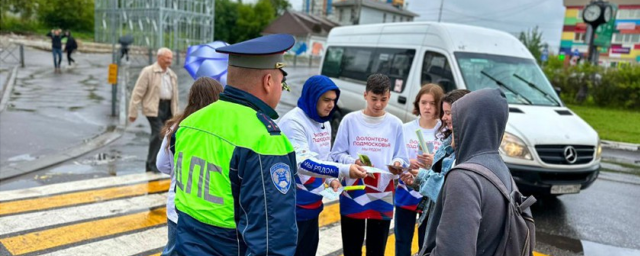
point(440, 12)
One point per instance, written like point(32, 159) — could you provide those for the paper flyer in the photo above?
point(423, 144)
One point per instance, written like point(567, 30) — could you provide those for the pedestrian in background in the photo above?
point(56, 48)
point(235, 169)
point(203, 92)
point(157, 90)
point(70, 46)
point(307, 127)
point(427, 107)
point(377, 134)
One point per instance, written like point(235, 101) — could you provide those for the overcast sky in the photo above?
point(510, 16)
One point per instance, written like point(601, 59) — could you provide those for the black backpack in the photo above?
point(519, 231)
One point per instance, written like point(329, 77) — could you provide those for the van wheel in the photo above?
point(335, 122)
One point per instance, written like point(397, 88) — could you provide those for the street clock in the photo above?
point(597, 13)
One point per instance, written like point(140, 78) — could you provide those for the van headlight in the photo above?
point(599, 150)
point(513, 146)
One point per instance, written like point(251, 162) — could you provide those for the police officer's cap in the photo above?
point(265, 52)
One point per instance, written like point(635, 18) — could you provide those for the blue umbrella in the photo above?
point(203, 60)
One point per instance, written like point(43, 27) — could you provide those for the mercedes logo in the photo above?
point(570, 154)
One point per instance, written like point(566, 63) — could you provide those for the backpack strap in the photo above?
point(487, 174)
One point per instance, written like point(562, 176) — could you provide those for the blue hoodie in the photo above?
point(313, 88)
point(310, 135)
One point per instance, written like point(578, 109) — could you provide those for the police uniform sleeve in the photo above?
point(264, 201)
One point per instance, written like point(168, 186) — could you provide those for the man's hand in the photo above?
point(357, 172)
point(426, 160)
point(407, 178)
point(132, 119)
point(396, 171)
point(335, 185)
point(358, 162)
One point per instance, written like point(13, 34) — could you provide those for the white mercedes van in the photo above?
point(547, 147)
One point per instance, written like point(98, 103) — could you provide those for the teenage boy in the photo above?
point(307, 127)
point(377, 134)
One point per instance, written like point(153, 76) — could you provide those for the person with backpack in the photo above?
point(479, 210)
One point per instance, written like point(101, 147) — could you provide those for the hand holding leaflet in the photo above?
point(422, 143)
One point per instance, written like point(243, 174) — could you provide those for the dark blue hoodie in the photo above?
point(313, 88)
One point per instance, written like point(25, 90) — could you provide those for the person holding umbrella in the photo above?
point(124, 42)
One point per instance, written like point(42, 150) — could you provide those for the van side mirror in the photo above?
point(558, 90)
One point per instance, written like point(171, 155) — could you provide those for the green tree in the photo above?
point(225, 20)
point(280, 6)
point(532, 39)
point(236, 22)
point(67, 14)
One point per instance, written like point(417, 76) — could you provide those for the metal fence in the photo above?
point(11, 54)
point(174, 24)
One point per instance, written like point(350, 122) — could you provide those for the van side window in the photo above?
point(436, 69)
point(396, 64)
point(357, 63)
point(333, 62)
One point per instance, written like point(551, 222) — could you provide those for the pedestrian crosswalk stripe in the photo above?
point(130, 244)
point(43, 219)
point(83, 197)
point(76, 186)
point(330, 214)
point(55, 237)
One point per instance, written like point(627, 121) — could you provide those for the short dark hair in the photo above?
point(378, 84)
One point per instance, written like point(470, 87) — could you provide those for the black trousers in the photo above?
point(308, 236)
point(353, 233)
point(69, 57)
point(155, 141)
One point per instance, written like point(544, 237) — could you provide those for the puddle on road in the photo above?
point(23, 157)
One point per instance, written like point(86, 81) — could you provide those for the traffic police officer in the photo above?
point(234, 168)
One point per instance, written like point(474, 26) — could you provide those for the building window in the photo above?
point(626, 38)
point(579, 37)
point(393, 19)
point(340, 15)
point(384, 17)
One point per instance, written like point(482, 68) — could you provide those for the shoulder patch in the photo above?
point(281, 177)
point(271, 126)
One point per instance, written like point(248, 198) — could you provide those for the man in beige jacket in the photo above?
point(157, 90)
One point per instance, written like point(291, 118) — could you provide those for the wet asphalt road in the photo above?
point(601, 220)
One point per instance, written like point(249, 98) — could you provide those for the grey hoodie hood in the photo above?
point(479, 120)
point(469, 215)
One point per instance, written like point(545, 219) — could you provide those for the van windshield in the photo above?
point(518, 74)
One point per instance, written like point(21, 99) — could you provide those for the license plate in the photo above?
point(565, 189)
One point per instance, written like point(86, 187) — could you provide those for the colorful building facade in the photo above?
point(625, 42)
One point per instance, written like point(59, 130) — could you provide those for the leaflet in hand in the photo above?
point(370, 169)
point(328, 193)
point(365, 160)
point(399, 168)
point(423, 144)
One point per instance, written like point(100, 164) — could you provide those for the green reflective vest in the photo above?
point(206, 143)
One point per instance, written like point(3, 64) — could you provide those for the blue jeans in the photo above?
point(57, 57)
point(169, 249)
point(405, 222)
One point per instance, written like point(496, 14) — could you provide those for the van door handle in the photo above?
point(402, 99)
